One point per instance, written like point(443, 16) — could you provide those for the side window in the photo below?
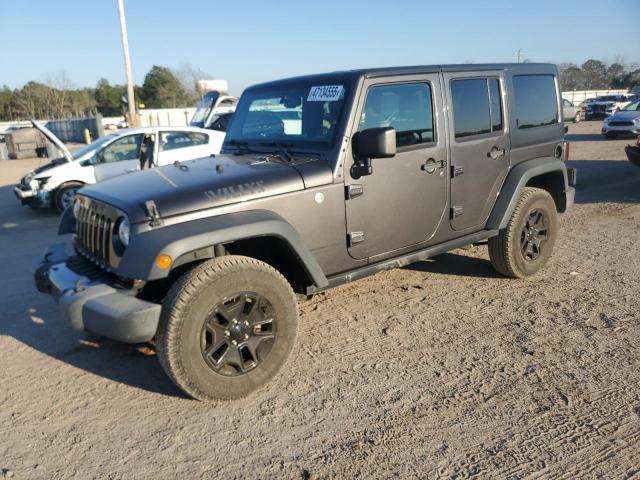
point(496, 105)
point(406, 107)
point(536, 101)
point(125, 148)
point(566, 103)
point(173, 140)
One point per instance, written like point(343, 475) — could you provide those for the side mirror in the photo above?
point(376, 143)
point(372, 143)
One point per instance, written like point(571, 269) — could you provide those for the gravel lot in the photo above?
point(442, 369)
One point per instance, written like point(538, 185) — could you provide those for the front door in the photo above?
point(119, 157)
point(402, 202)
point(479, 145)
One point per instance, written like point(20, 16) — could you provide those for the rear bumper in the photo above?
point(95, 306)
point(570, 191)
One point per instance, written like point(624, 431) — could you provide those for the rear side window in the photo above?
point(174, 140)
point(496, 105)
point(477, 106)
point(536, 100)
point(405, 107)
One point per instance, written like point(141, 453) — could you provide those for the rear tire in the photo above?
point(227, 327)
point(524, 246)
point(64, 194)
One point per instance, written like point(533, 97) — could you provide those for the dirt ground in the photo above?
point(439, 370)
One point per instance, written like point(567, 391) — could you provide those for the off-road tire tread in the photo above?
point(176, 302)
point(500, 246)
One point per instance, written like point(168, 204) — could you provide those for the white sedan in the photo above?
point(56, 183)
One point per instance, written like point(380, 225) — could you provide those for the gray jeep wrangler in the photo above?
point(323, 180)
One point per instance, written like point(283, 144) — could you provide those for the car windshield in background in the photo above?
point(203, 109)
point(300, 114)
point(99, 143)
point(632, 107)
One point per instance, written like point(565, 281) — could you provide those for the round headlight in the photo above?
point(123, 231)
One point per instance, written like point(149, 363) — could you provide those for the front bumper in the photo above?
point(94, 304)
point(630, 129)
point(34, 198)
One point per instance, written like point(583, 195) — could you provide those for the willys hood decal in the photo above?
point(199, 184)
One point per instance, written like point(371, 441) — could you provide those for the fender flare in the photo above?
point(514, 184)
point(176, 240)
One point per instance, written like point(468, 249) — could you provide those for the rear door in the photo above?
point(177, 145)
point(119, 157)
point(402, 202)
point(479, 144)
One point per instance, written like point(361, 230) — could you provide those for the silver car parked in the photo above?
point(571, 111)
point(624, 122)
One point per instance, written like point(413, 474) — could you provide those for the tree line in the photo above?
point(598, 75)
point(56, 97)
point(167, 88)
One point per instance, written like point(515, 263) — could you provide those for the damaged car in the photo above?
point(55, 184)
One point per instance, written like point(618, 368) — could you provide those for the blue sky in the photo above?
point(247, 42)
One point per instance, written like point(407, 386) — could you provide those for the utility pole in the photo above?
point(131, 101)
point(518, 53)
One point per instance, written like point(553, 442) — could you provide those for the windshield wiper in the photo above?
point(243, 147)
point(282, 149)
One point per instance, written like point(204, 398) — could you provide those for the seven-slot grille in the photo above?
point(95, 225)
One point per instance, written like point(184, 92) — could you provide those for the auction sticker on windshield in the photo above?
point(325, 93)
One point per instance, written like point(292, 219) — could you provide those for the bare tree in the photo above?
point(189, 75)
point(31, 100)
point(60, 85)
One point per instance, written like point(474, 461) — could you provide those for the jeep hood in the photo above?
point(206, 183)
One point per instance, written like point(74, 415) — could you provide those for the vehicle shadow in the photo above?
point(133, 365)
point(458, 265)
point(598, 181)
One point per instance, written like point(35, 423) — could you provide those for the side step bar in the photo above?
point(403, 260)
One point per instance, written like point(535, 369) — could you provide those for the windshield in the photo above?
point(93, 146)
point(298, 114)
point(203, 109)
point(632, 107)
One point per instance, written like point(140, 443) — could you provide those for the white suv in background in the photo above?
point(55, 184)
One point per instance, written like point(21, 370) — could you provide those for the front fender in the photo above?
point(139, 258)
point(516, 180)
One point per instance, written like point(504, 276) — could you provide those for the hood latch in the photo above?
point(152, 213)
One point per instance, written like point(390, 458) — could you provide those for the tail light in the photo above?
point(566, 150)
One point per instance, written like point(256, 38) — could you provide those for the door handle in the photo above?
point(496, 153)
point(432, 164)
point(131, 170)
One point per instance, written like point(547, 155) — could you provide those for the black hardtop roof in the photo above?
point(410, 70)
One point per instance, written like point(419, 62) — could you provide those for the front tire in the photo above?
point(227, 327)
point(525, 245)
point(64, 195)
